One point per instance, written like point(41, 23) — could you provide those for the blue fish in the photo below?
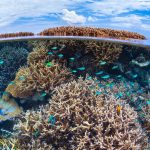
point(110, 84)
point(1, 62)
point(120, 94)
point(114, 67)
point(60, 55)
point(52, 119)
point(54, 48)
point(99, 73)
point(128, 72)
point(100, 85)
point(50, 53)
point(22, 78)
point(81, 68)
point(132, 83)
point(74, 71)
point(89, 77)
point(134, 76)
point(43, 94)
point(119, 76)
point(98, 93)
point(72, 59)
point(102, 62)
point(105, 77)
point(12, 83)
point(148, 102)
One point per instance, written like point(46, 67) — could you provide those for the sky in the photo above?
point(36, 15)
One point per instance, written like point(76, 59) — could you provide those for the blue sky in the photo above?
point(36, 15)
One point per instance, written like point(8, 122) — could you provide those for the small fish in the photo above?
point(119, 76)
point(120, 94)
point(50, 53)
point(132, 83)
point(54, 48)
point(102, 62)
point(99, 73)
point(49, 64)
point(128, 72)
point(114, 67)
point(110, 84)
point(118, 109)
point(134, 76)
point(89, 77)
point(22, 78)
point(51, 119)
point(148, 102)
point(43, 94)
point(72, 59)
point(105, 77)
point(36, 133)
point(81, 68)
point(1, 62)
point(98, 93)
point(12, 83)
point(74, 71)
point(60, 55)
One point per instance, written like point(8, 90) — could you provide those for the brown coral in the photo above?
point(84, 120)
point(38, 77)
point(89, 31)
point(7, 35)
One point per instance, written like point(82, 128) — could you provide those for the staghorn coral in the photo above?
point(88, 31)
point(77, 118)
point(7, 35)
point(104, 50)
point(38, 77)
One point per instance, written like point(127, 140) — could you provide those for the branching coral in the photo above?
point(88, 31)
point(104, 50)
point(8, 144)
point(78, 118)
point(38, 77)
point(6, 35)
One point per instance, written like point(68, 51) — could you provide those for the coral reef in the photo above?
point(8, 144)
point(88, 31)
point(11, 58)
point(104, 51)
point(78, 118)
point(42, 74)
point(7, 35)
point(38, 77)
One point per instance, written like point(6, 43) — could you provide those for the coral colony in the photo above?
point(71, 94)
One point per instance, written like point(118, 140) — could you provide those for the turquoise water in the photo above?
point(115, 68)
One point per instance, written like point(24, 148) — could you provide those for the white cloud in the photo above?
point(132, 21)
point(72, 17)
point(12, 10)
point(92, 19)
point(115, 7)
